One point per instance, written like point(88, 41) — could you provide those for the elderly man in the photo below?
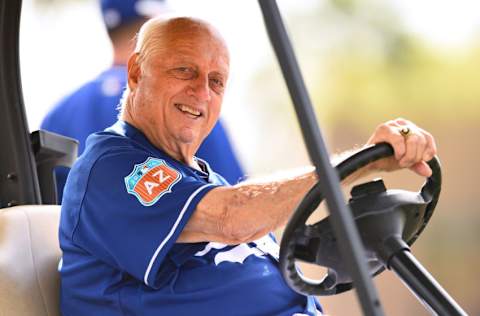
point(93, 106)
point(149, 229)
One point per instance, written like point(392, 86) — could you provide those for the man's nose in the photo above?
point(200, 89)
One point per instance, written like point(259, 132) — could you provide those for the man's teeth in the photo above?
point(188, 109)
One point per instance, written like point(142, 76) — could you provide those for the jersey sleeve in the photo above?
point(135, 207)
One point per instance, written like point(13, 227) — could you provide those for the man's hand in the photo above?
point(412, 145)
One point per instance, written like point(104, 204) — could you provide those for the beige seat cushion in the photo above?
point(29, 255)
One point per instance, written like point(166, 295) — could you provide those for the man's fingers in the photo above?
point(416, 149)
point(421, 168)
point(399, 146)
point(419, 144)
point(389, 132)
point(431, 147)
point(412, 146)
point(411, 151)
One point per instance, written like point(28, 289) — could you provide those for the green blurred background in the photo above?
point(363, 67)
point(363, 64)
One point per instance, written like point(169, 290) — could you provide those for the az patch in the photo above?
point(151, 179)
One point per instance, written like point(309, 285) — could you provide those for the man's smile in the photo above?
point(190, 111)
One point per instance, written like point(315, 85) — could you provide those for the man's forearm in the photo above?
point(251, 209)
point(247, 211)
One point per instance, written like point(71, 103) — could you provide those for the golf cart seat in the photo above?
point(29, 256)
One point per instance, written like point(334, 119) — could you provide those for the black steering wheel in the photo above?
point(388, 221)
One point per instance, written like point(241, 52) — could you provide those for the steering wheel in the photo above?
point(388, 221)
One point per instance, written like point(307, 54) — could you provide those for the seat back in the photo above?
point(29, 255)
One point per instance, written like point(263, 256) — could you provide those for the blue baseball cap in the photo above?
point(118, 12)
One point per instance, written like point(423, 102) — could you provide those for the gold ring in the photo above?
point(405, 131)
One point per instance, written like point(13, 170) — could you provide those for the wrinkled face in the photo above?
point(177, 95)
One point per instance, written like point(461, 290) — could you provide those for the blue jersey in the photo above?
point(125, 204)
point(93, 107)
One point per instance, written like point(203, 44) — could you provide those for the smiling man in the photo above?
point(176, 83)
point(149, 229)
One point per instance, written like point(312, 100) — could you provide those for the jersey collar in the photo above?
point(125, 129)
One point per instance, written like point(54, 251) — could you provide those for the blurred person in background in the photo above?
point(93, 107)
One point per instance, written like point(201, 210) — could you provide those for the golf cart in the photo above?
point(360, 239)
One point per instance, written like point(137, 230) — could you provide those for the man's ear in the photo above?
point(133, 71)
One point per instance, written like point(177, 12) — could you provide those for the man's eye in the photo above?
point(217, 85)
point(183, 73)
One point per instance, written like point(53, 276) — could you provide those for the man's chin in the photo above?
point(189, 137)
